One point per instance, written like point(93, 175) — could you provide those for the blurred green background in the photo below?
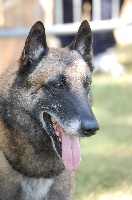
point(106, 165)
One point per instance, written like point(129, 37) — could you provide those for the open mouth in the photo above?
point(67, 146)
point(53, 131)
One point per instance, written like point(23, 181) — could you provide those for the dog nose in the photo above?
point(89, 129)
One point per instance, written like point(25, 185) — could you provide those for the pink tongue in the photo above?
point(71, 154)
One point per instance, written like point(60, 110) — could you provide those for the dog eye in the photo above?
point(87, 84)
point(58, 86)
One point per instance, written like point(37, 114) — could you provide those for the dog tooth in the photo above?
point(53, 120)
point(54, 126)
point(57, 133)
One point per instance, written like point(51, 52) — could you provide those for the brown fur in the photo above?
point(30, 157)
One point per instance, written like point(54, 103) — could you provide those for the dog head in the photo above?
point(52, 102)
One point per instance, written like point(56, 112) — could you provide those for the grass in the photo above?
point(106, 167)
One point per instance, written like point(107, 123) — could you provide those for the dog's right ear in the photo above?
point(35, 45)
point(83, 43)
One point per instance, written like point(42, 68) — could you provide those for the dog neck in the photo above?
point(31, 188)
point(36, 188)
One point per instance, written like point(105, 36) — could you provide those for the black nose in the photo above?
point(89, 129)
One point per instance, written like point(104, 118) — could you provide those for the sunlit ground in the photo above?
point(106, 167)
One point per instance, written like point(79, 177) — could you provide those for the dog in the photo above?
point(45, 108)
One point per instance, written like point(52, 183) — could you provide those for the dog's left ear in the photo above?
point(35, 45)
point(83, 43)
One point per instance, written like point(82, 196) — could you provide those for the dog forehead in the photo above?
point(78, 68)
point(69, 63)
point(60, 61)
point(69, 59)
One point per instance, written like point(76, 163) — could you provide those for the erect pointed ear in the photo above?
point(83, 43)
point(35, 45)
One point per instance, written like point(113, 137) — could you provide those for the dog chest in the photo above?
point(36, 188)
